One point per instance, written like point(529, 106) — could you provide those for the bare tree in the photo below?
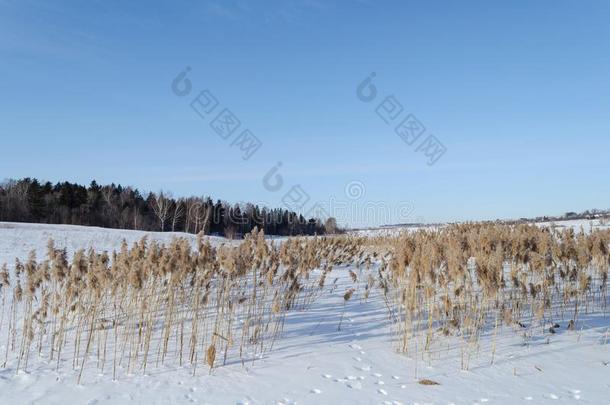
point(160, 204)
point(330, 226)
point(136, 214)
point(17, 198)
point(189, 203)
point(200, 214)
point(178, 212)
point(110, 207)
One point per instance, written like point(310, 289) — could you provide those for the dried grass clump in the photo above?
point(152, 305)
point(466, 280)
point(427, 382)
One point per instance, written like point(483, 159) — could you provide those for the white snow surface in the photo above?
point(18, 239)
point(577, 225)
point(315, 363)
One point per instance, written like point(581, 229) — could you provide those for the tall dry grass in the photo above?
point(150, 305)
point(467, 280)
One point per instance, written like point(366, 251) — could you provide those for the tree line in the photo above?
point(115, 206)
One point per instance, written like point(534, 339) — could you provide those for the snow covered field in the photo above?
point(315, 363)
point(577, 225)
point(17, 239)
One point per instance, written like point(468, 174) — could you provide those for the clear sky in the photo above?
point(517, 92)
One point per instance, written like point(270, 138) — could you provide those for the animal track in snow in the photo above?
point(189, 398)
point(356, 385)
point(553, 396)
point(575, 394)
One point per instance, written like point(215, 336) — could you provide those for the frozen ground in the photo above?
point(576, 224)
point(315, 363)
point(17, 239)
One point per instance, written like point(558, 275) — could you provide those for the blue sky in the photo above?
point(518, 94)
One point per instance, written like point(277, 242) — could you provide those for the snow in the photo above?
point(576, 224)
point(316, 363)
point(18, 239)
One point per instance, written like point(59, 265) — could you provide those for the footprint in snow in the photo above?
point(358, 359)
point(315, 391)
point(364, 368)
point(355, 385)
point(529, 398)
point(553, 396)
point(382, 391)
point(575, 394)
point(189, 398)
point(380, 382)
point(327, 376)
point(355, 346)
point(377, 375)
point(395, 377)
